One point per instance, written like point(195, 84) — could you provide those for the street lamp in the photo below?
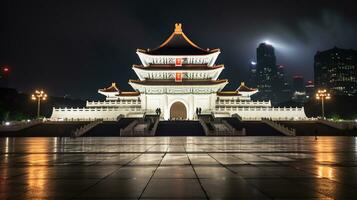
point(322, 95)
point(39, 95)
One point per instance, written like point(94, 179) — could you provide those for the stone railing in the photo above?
point(141, 127)
point(233, 130)
point(96, 109)
point(236, 108)
point(219, 128)
point(112, 103)
point(238, 117)
point(19, 125)
point(205, 127)
point(154, 128)
point(280, 127)
point(85, 128)
point(257, 113)
point(341, 125)
point(92, 113)
point(129, 130)
point(243, 103)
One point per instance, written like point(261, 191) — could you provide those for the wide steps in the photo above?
point(109, 129)
point(313, 128)
point(179, 128)
point(253, 128)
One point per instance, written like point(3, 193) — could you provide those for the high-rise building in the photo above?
point(283, 91)
point(252, 77)
point(266, 72)
point(299, 93)
point(298, 83)
point(310, 89)
point(336, 70)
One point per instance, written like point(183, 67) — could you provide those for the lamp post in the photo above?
point(39, 95)
point(322, 95)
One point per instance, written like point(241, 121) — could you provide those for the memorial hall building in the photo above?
point(179, 79)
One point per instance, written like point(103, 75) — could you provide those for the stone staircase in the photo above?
point(280, 127)
point(141, 127)
point(179, 128)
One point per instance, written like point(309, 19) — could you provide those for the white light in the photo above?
point(7, 123)
point(28, 120)
point(268, 42)
point(253, 63)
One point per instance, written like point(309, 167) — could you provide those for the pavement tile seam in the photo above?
point(227, 168)
point(290, 179)
point(197, 178)
point(152, 175)
point(102, 179)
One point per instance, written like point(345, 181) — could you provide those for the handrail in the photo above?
point(341, 125)
point(280, 127)
point(128, 130)
point(204, 126)
point(154, 128)
point(238, 117)
point(230, 128)
point(85, 128)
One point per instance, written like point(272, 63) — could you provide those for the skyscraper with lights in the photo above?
point(267, 79)
point(336, 69)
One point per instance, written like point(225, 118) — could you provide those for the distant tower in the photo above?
point(310, 89)
point(282, 86)
point(298, 83)
point(336, 70)
point(266, 72)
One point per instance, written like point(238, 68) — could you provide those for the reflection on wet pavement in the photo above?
point(179, 167)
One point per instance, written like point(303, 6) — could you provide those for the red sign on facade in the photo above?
point(178, 77)
point(178, 62)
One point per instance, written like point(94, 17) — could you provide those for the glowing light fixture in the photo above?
point(322, 95)
point(39, 95)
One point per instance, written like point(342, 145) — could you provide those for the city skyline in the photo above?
point(92, 45)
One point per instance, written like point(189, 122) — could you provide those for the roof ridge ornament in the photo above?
point(178, 28)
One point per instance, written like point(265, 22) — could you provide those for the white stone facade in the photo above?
point(198, 87)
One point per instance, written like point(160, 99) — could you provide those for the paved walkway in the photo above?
point(180, 168)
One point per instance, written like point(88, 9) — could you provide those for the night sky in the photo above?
point(75, 47)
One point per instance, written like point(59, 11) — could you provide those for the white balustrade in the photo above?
point(113, 103)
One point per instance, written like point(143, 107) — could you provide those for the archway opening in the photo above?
point(178, 111)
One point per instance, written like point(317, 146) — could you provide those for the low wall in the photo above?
point(116, 103)
point(259, 113)
point(91, 113)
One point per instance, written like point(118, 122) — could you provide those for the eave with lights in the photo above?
point(177, 71)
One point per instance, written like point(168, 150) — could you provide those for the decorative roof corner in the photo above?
point(244, 88)
point(111, 89)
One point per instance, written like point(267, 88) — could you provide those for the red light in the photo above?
point(178, 62)
point(178, 77)
point(6, 69)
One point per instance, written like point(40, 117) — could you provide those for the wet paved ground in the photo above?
point(181, 168)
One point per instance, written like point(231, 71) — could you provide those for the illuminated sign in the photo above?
point(178, 77)
point(178, 62)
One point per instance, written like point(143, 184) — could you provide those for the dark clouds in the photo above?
point(76, 47)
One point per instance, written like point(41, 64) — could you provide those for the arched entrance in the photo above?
point(178, 111)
